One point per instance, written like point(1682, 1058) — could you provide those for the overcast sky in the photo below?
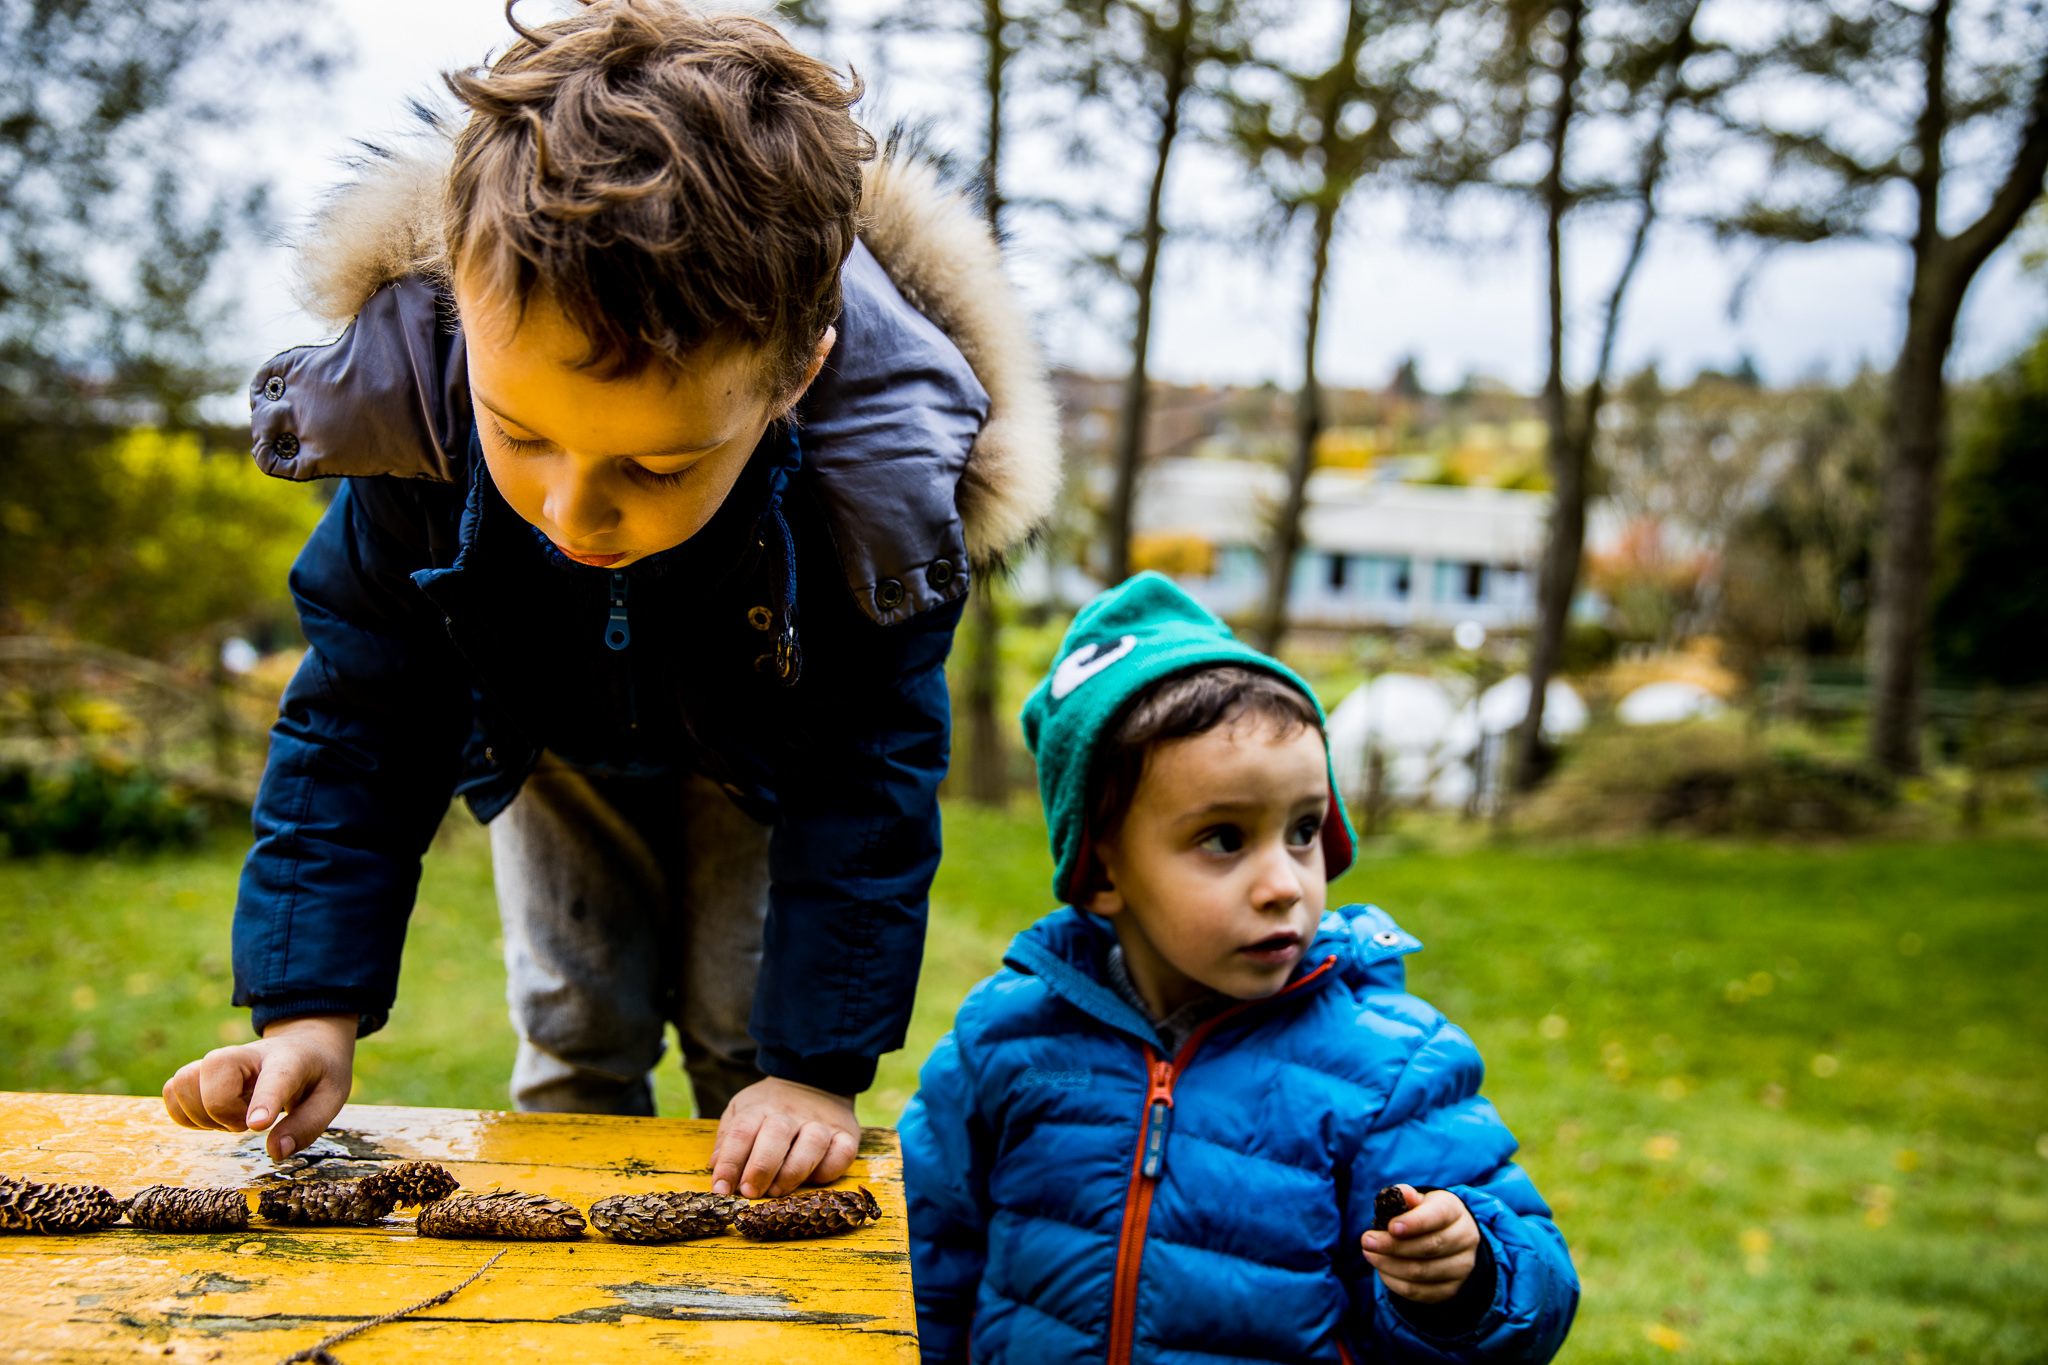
point(1228, 311)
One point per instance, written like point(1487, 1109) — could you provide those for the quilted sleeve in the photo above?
point(1436, 1130)
point(946, 1151)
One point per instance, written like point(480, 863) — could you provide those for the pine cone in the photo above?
point(510, 1214)
point(415, 1182)
point(314, 1203)
point(813, 1213)
point(27, 1206)
point(664, 1215)
point(166, 1208)
point(1388, 1205)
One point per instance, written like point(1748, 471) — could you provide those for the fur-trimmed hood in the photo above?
point(377, 246)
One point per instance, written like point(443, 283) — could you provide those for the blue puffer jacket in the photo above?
point(1074, 1197)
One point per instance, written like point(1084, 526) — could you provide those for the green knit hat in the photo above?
point(1121, 643)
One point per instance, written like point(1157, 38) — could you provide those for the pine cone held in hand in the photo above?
point(509, 1214)
point(27, 1206)
point(1388, 1205)
point(317, 1203)
point(813, 1213)
point(167, 1208)
point(664, 1215)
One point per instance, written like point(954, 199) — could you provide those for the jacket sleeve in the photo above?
point(851, 859)
point(363, 760)
point(946, 1147)
point(1436, 1130)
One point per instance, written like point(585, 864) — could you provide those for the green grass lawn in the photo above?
point(1789, 1102)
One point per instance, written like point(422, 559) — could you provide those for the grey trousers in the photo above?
point(628, 904)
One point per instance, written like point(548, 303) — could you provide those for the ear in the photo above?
point(1104, 899)
point(826, 342)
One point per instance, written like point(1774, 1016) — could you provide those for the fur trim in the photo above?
point(381, 226)
point(942, 258)
point(386, 225)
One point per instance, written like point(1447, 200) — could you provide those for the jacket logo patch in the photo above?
point(1079, 1079)
point(1084, 663)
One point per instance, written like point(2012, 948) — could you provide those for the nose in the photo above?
point(577, 503)
point(1278, 886)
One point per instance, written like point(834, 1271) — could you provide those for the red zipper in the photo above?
point(1148, 1163)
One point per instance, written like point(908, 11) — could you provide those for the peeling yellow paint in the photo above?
point(260, 1295)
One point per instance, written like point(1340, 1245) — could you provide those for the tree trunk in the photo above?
point(1308, 425)
point(987, 764)
point(1557, 576)
point(1130, 437)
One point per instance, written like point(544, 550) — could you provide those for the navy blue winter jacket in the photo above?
point(450, 645)
point(1076, 1197)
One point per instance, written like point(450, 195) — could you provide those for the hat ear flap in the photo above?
point(1339, 849)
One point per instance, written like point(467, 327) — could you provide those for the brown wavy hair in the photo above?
point(668, 179)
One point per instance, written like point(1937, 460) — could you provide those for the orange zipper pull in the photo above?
point(1159, 1120)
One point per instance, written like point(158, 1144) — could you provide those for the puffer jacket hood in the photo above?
point(1077, 1196)
point(918, 478)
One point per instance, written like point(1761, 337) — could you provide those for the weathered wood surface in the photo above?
point(126, 1294)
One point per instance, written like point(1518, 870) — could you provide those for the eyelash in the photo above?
point(633, 471)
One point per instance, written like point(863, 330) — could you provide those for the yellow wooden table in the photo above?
point(258, 1296)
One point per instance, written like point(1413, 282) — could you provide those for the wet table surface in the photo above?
point(260, 1295)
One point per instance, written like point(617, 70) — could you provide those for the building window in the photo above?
point(1463, 583)
point(1339, 564)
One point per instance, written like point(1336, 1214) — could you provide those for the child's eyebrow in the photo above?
point(1230, 807)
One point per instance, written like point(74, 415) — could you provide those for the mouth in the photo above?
point(1274, 950)
point(595, 561)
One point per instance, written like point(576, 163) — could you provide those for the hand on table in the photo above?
point(293, 1082)
point(776, 1134)
point(1427, 1253)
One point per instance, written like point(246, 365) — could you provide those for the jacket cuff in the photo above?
point(1461, 1314)
point(841, 1073)
point(274, 1009)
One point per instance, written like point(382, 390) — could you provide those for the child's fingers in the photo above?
point(735, 1141)
point(224, 1077)
point(813, 1141)
point(181, 1098)
point(305, 1117)
point(1420, 1292)
point(838, 1158)
point(771, 1145)
point(1426, 1213)
point(1432, 1270)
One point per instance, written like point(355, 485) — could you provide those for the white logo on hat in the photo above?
point(1084, 664)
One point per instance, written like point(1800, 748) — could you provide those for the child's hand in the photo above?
point(1428, 1252)
point(300, 1069)
point(777, 1134)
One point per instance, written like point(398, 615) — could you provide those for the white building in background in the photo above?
point(1376, 552)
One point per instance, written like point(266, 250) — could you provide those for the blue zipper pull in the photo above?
point(618, 631)
point(1156, 1130)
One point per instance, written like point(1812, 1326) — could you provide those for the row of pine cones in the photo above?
point(660, 1216)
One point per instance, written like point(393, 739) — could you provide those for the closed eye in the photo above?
point(512, 442)
point(641, 474)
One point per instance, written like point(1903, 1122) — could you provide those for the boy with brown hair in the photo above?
point(655, 358)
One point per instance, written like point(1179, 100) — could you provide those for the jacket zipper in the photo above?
point(618, 633)
point(1148, 1163)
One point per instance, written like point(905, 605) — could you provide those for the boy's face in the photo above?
point(611, 470)
point(1216, 877)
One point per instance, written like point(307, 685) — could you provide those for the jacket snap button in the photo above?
point(287, 446)
point(760, 618)
point(940, 573)
point(273, 387)
point(1386, 938)
point(888, 594)
point(490, 755)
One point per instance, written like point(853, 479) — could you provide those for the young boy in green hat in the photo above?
point(1161, 1132)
